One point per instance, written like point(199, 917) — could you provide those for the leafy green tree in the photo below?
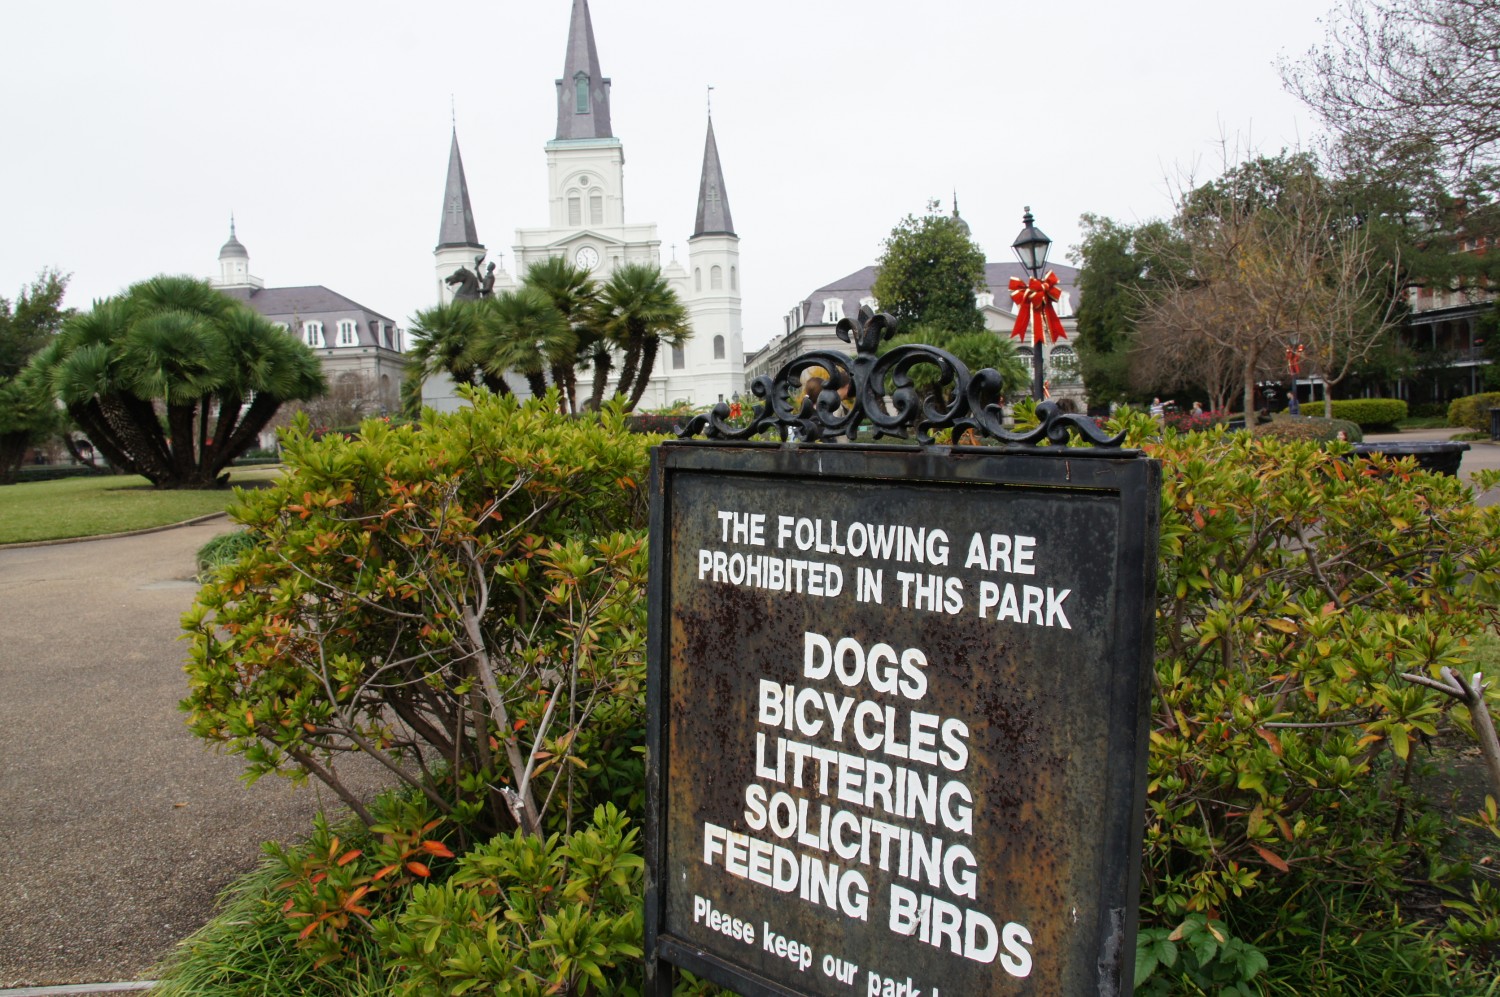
point(929, 273)
point(640, 312)
point(1118, 263)
point(173, 380)
point(27, 411)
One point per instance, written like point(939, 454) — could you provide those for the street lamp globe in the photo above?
point(1031, 245)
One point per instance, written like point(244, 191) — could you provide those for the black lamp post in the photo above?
point(1031, 249)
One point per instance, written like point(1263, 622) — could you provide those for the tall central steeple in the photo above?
point(583, 91)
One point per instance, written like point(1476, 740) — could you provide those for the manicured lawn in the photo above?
point(86, 507)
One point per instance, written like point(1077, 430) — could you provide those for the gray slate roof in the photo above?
point(457, 228)
point(582, 57)
point(283, 303)
point(713, 197)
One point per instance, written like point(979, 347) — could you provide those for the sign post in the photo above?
point(898, 706)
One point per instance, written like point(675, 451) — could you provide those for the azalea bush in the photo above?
point(1298, 588)
point(458, 602)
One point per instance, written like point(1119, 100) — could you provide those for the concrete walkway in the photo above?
point(120, 827)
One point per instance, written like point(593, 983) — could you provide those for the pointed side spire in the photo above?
point(583, 91)
point(457, 228)
point(713, 199)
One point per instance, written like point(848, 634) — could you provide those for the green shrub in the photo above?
point(224, 550)
point(244, 951)
point(1292, 427)
point(527, 916)
point(468, 590)
point(1296, 588)
point(1370, 413)
point(1473, 411)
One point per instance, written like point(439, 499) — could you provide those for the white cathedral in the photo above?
point(586, 202)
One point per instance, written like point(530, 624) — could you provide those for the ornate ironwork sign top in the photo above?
point(827, 395)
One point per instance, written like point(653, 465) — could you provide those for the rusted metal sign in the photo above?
point(898, 705)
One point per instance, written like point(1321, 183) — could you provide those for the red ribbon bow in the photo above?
point(1034, 300)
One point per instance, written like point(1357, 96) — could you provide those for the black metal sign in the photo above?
point(898, 703)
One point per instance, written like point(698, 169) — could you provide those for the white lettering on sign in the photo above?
point(858, 776)
point(815, 557)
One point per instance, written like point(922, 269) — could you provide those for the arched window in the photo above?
point(716, 278)
point(348, 332)
point(718, 347)
point(697, 279)
point(734, 278)
point(1062, 363)
point(575, 208)
point(679, 359)
point(581, 93)
point(312, 334)
point(596, 208)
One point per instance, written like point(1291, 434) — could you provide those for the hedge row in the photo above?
point(1370, 413)
point(1473, 412)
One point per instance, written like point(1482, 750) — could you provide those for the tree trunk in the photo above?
point(260, 413)
point(180, 424)
point(643, 377)
point(603, 361)
point(90, 419)
point(626, 383)
point(12, 449)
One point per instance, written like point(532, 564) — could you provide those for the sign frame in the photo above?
point(1125, 477)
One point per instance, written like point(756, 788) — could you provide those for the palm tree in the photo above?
point(575, 294)
point(640, 312)
point(447, 343)
point(523, 332)
point(175, 346)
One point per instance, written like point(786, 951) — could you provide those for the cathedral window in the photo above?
point(697, 278)
point(312, 334)
point(348, 332)
point(716, 278)
point(596, 208)
point(718, 347)
point(575, 209)
point(734, 278)
point(833, 310)
point(679, 359)
point(581, 93)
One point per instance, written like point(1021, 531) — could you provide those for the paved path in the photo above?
point(119, 826)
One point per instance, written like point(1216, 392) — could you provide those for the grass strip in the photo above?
point(95, 506)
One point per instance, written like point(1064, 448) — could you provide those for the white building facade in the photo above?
point(586, 224)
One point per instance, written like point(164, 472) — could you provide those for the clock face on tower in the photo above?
point(587, 257)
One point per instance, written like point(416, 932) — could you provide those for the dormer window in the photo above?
point(581, 93)
point(833, 311)
point(312, 334)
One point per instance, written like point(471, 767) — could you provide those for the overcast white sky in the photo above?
point(131, 130)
